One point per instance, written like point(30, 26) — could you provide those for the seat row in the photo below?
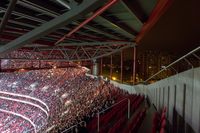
point(115, 119)
point(136, 122)
point(159, 122)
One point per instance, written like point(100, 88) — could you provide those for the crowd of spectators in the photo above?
point(62, 97)
point(34, 95)
point(10, 62)
point(92, 96)
point(22, 54)
point(35, 64)
point(9, 122)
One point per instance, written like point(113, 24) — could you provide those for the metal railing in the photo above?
point(178, 60)
point(68, 129)
point(98, 114)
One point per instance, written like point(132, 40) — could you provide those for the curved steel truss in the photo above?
point(67, 52)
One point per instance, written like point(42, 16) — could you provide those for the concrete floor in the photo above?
point(147, 123)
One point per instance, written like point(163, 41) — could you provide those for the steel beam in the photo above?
point(7, 14)
point(8, 37)
point(94, 43)
point(51, 37)
point(121, 26)
point(94, 15)
point(81, 10)
point(23, 15)
point(91, 28)
point(53, 14)
point(131, 11)
point(65, 54)
point(134, 8)
point(116, 27)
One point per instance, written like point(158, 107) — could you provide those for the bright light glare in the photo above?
point(114, 78)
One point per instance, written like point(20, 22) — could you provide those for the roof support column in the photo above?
point(95, 69)
point(111, 63)
point(101, 66)
point(121, 76)
point(134, 65)
point(91, 67)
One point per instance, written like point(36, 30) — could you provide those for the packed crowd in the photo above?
point(21, 53)
point(8, 122)
point(29, 111)
point(92, 96)
point(35, 64)
point(10, 63)
point(35, 100)
point(34, 95)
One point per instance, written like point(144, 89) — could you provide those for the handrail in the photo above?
point(183, 57)
point(98, 114)
point(101, 112)
point(72, 127)
point(113, 105)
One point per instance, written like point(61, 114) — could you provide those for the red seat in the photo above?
point(153, 129)
point(163, 117)
point(165, 110)
point(162, 130)
point(163, 124)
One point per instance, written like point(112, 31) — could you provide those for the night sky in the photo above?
point(178, 30)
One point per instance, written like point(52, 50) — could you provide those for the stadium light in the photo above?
point(114, 78)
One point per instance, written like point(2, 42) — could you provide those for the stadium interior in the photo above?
point(99, 66)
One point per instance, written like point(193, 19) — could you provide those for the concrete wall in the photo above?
point(180, 92)
point(196, 101)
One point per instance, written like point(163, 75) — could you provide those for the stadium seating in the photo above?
point(38, 99)
point(115, 120)
point(159, 121)
point(33, 95)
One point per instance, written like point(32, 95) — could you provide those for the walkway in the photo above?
point(147, 123)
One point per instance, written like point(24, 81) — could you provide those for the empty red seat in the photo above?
point(162, 130)
point(163, 124)
point(153, 129)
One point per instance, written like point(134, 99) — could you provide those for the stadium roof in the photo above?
point(76, 29)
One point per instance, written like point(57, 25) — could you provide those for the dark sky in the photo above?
point(178, 30)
